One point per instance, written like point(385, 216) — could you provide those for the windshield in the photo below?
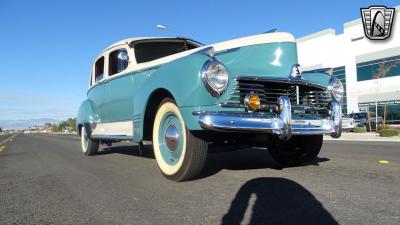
point(152, 50)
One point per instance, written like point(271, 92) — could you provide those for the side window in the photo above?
point(99, 69)
point(118, 61)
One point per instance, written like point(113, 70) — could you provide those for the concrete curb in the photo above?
point(57, 135)
point(362, 137)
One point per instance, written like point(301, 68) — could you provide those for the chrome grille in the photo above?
point(317, 99)
point(311, 99)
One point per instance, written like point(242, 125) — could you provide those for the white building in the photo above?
point(355, 59)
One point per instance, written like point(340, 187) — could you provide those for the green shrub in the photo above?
point(360, 130)
point(383, 127)
point(389, 133)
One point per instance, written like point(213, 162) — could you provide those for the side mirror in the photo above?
point(123, 56)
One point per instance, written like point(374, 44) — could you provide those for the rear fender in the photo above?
point(86, 116)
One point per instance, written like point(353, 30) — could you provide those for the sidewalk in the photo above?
point(349, 136)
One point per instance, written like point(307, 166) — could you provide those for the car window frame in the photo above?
point(131, 64)
point(113, 49)
point(93, 74)
point(105, 54)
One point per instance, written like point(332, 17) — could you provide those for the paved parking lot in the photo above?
point(46, 180)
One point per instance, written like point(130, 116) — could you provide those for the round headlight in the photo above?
point(336, 88)
point(215, 77)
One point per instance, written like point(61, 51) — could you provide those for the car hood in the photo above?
point(253, 40)
point(269, 55)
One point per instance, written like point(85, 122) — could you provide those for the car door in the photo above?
point(96, 93)
point(119, 88)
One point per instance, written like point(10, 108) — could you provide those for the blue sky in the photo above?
point(47, 47)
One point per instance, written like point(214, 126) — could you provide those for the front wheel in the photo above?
point(89, 147)
point(298, 150)
point(179, 154)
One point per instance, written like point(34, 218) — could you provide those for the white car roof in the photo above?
point(129, 40)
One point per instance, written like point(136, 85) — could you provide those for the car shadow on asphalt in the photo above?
point(245, 159)
point(132, 150)
point(272, 200)
point(241, 159)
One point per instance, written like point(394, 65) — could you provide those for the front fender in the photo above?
point(182, 79)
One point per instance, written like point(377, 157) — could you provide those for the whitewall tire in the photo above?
point(89, 147)
point(179, 154)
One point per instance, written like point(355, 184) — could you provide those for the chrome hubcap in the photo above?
point(172, 138)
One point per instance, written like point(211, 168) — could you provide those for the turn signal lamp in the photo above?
point(252, 101)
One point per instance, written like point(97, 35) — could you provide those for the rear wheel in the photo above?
point(89, 147)
point(179, 154)
point(298, 150)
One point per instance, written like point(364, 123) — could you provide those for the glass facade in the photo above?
point(340, 73)
point(392, 110)
point(366, 70)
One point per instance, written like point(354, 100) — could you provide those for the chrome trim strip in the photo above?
point(93, 86)
point(136, 117)
point(112, 137)
point(227, 122)
point(106, 80)
point(242, 113)
point(226, 51)
point(136, 120)
point(279, 80)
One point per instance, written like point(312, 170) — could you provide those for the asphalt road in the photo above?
point(46, 180)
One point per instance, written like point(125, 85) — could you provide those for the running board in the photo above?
point(112, 137)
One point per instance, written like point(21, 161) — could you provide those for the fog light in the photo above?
point(252, 101)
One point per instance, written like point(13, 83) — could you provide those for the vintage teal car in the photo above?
point(184, 97)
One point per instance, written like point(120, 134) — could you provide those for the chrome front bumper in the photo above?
point(283, 125)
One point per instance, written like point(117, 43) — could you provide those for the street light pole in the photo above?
point(162, 27)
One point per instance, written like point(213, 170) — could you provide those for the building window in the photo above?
point(367, 70)
point(99, 69)
point(340, 73)
point(392, 110)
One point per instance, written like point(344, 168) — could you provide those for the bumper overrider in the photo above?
point(281, 125)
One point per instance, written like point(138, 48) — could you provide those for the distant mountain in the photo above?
point(23, 124)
